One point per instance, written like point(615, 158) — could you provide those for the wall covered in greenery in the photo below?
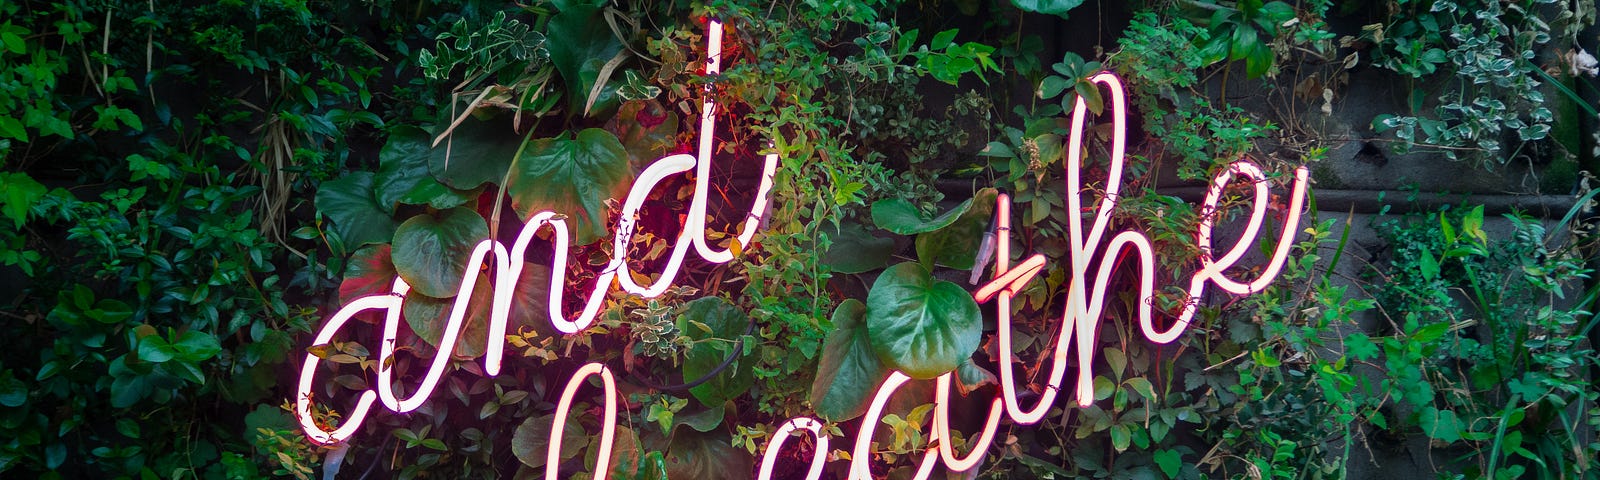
point(189, 191)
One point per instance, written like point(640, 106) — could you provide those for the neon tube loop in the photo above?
point(1080, 319)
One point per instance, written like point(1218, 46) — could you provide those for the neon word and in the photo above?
point(1084, 307)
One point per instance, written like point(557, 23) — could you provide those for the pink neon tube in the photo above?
point(308, 371)
point(608, 425)
point(941, 429)
point(508, 268)
point(696, 223)
point(1214, 270)
point(818, 457)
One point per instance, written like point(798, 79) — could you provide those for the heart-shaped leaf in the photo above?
point(431, 250)
point(899, 216)
point(572, 177)
point(357, 217)
point(956, 245)
point(475, 153)
point(428, 317)
point(919, 325)
point(727, 323)
point(849, 372)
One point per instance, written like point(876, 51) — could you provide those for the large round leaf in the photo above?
point(476, 152)
point(899, 216)
point(403, 175)
point(357, 217)
point(431, 250)
point(919, 325)
point(850, 372)
point(572, 177)
point(429, 316)
point(714, 325)
point(956, 245)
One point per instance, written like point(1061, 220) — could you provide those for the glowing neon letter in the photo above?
point(308, 370)
point(608, 425)
point(818, 457)
point(508, 268)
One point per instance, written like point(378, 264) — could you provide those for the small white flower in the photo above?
point(1580, 61)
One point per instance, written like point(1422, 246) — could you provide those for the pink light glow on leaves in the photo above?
point(1084, 307)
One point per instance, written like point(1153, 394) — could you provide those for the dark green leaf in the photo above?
point(942, 40)
point(727, 322)
point(475, 153)
point(705, 420)
point(707, 456)
point(1259, 61)
point(1441, 425)
point(1053, 86)
point(1243, 43)
point(1170, 461)
point(13, 393)
point(348, 201)
point(21, 192)
point(155, 349)
point(573, 178)
point(1277, 12)
point(582, 44)
point(849, 371)
point(195, 346)
point(403, 175)
point(431, 250)
point(956, 245)
point(899, 216)
point(855, 250)
point(919, 325)
point(12, 128)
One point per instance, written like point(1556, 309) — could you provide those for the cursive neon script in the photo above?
point(1083, 311)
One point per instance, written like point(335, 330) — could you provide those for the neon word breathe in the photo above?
point(1085, 304)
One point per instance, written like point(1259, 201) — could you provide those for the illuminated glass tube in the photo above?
point(819, 457)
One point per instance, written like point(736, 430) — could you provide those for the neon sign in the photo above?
point(1084, 307)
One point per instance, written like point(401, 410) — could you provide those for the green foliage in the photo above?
point(176, 177)
point(486, 51)
point(1245, 32)
point(1483, 54)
